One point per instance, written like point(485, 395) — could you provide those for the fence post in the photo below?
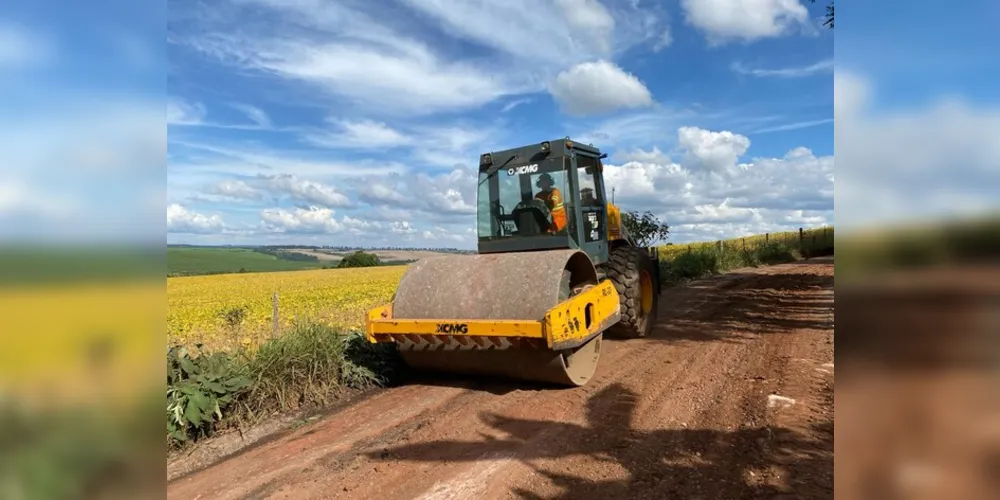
point(767, 237)
point(801, 240)
point(274, 315)
point(744, 244)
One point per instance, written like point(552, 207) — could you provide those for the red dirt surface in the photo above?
point(700, 409)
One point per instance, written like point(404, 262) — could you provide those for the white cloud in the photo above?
point(449, 195)
point(793, 126)
point(723, 21)
point(250, 159)
point(180, 112)
point(368, 57)
point(359, 134)
point(18, 199)
point(350, 55)
point(642, 184)
point(311, 220)
point(642, 156)
point(235, 189)
point(666, 40)
point(910, 165)
point(256, 115)
point(182, 220)
point(714, 151)
point(824, 66)
point(633, 130)
point(81, 157)
point(402, 227)
point(513, 104)
point(281, 186)
point(306, 190)
point(544, 32)
point(851, 94)
point(765, 194)
point(598, 87)
point(436, 145)
point(23, 48)
point(589, 23)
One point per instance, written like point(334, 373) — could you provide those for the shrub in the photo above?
point(771, 253)
point(305, 368)
point(700, 260)
point(359, 259)
point(199, 388)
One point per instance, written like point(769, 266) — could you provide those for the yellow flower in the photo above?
point(214, 308)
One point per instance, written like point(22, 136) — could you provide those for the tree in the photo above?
point(829, 15)
point(359, 259)
point(645, 228)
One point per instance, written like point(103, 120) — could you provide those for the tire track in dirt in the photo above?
point(682, 412)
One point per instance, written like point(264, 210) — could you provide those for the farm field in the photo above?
point(193, 261)
point(811, 238)
point(384, 255)
point(225, 310)
point(218, 310)
point(687, 412)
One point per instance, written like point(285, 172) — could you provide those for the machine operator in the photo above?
point(553, 200)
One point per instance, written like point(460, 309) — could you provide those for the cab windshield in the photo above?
point(524, 200)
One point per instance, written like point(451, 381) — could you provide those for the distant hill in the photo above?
point(191, 260)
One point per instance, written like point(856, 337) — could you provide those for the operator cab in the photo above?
point(512, 214)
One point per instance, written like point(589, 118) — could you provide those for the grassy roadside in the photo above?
point(308, 367)
point(681, 263)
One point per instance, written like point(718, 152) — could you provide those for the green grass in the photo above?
point(945, 242)
point(679, 263)
point(29, 265)
point(305, 368)
point(187, 261)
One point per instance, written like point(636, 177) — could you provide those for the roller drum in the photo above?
point(514, 286)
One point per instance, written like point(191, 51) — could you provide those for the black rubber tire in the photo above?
point(623, 268)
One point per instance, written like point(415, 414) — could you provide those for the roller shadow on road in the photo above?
point(666, 463)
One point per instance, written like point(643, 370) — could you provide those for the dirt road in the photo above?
point(730, 397)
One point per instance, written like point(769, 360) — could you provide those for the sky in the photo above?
point(917, 112)
point(360, 122)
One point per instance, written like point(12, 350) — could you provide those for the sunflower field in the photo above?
point(223, 310)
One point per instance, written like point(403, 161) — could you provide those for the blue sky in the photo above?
point(359, 122)
point(82, 121)
point(917, 112)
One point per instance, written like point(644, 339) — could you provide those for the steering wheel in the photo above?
point(538, 209)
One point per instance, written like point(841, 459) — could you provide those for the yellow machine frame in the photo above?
point(568, 324)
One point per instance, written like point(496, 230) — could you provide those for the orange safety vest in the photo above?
point(553, 199)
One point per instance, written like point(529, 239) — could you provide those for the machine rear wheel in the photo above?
point(631, 271)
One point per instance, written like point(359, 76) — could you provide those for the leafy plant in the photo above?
point(645, 228)
point(234, 316)
point(360, 259)
point(199, 388)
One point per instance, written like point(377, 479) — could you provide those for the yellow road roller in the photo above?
point(556, 271)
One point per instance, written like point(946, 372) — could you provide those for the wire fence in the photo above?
point(805, 240)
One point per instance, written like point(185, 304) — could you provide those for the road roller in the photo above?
point(555, 272)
